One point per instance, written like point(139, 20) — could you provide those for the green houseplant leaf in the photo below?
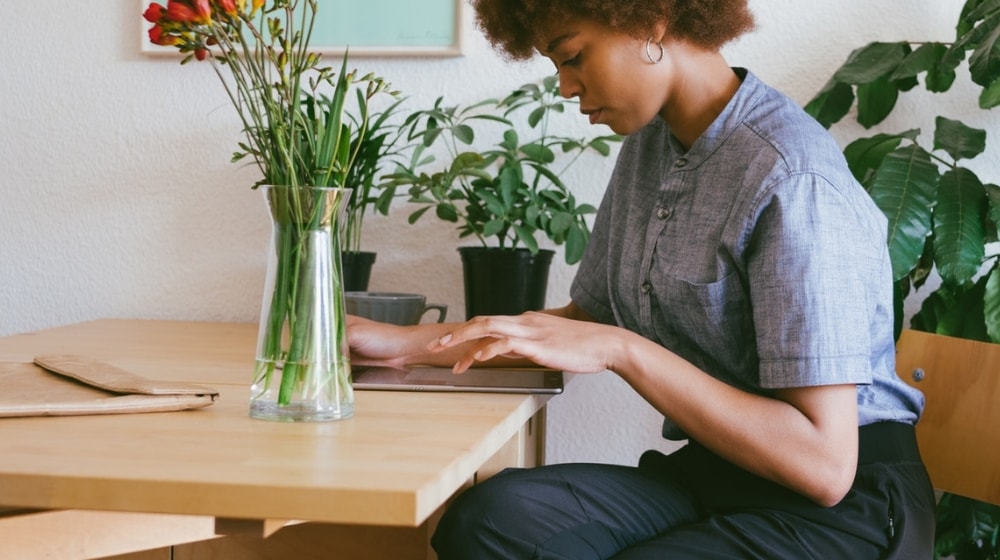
point(904, 188)
point(871, 62)
point(959, 245)
point(958, 140)
point(832, 103)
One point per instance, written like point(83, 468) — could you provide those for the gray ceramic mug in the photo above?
point(392, 307)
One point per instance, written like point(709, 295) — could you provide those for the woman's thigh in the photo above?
point(753, 535)
point(561, 512)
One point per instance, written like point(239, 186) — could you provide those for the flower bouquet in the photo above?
point(298, 134)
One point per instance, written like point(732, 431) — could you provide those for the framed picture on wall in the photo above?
point(372, 28)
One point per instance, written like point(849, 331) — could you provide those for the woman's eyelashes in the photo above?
point(574, 61)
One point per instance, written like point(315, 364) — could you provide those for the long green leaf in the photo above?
point(904, 188)
point(984, 62)
point(958, 226)
point(871, 62)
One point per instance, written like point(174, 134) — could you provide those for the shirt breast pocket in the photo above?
point(711, 321)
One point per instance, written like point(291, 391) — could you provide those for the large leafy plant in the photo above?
point(510, 192)
point(942, 215)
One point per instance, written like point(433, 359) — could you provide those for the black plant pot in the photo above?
point(357, 269)
point(504, 281)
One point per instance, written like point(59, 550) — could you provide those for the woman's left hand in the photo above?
point(545, 339)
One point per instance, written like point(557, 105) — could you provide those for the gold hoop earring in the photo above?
point(649, 53)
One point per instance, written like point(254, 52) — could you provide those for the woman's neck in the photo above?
point(702, 85)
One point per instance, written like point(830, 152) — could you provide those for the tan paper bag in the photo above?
point(65, 385)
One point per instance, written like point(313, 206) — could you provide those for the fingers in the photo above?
point(487, 337)
point(477, 328)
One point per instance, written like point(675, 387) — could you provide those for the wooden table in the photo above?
point(369, 487)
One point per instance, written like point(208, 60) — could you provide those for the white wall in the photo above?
point(117, 198)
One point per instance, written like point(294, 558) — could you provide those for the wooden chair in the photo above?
point(959, 433)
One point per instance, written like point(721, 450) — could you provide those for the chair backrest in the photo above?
point(959, 432)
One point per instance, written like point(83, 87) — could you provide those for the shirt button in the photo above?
point(681, 162)
point(662, 213)
point(646, 287)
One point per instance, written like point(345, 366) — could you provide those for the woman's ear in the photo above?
point(659, 32)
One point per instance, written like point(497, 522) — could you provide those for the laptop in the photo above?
point(475, 380)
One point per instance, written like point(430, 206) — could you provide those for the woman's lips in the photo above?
point(593, 114)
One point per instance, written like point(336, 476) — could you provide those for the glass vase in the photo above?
point(303, 368)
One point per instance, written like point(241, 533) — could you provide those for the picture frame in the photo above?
point(387, 28)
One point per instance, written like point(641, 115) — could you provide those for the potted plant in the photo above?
point(508, 195)
point(942, 216)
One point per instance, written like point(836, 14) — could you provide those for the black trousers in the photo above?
point(692, 504)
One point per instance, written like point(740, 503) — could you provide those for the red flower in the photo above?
point(229, 7)
point(157, 37)
point(183, 11)
point(203, 9)
point(179, 11)
point(201, 54)
point(153, 13)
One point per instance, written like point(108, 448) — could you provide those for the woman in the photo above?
point(738, 279)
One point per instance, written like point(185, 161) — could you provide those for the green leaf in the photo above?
point(905, 188)
point(415, 215)
point(526, 236)
point(927, 58)
point(984, 62)
point(864, 155)
point(465, 161)
point(960, 141)
point(536, 117)
point(561, 222)
point(493, 203)
point(464, 133)
point(493, 227)
point(923, 59)
point(991, 304)
point(958, 226)
point(993, 195)
point(510, 180)
point(954, 312)
point(576, 243)
point(875, 101)
point(832, 103)
point(872, 62)
point(539, 153)
point(446, 212)
point(990, 96)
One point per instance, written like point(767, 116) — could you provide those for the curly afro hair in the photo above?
point(514, 27)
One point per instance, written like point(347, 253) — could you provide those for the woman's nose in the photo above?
point(568, 86)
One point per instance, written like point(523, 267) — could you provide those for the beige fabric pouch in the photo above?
point(65, 385)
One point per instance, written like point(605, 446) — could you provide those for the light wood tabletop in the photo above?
point(393, 464)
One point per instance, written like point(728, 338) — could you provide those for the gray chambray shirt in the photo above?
point(755, 255)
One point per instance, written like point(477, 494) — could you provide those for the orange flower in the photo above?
point(257, 4)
